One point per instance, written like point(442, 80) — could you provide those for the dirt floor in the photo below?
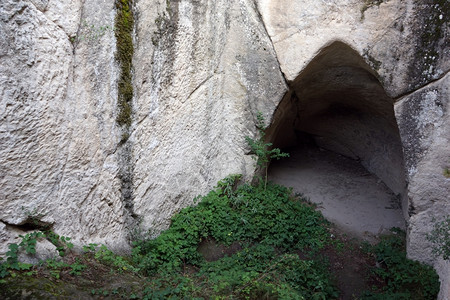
point(346, 193)
point(351, 266)
point(356, 201)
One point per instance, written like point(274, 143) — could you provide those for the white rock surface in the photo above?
point(199, 83)
point(57, 126)
point(388, 35)
point(443, 269)
point(424, 124)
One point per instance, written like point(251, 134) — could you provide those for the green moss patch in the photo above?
point(124, 56)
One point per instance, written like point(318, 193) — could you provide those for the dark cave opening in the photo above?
point(338, 112)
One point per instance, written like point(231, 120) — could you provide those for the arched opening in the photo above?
point(338, 124)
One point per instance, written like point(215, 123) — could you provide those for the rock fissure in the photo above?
point(91, 190)
point(79, 28)
point(29, 224)
point(17, 12)
point(261, 19)
point(41, 5)
point(38, 8)
point(424, 86)
point(199, 86)
point(124, 24)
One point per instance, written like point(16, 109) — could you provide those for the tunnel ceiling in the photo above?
point(339, 101)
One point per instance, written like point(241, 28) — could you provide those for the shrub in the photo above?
point(265, 221)
point(405, 278)
point(268, 216)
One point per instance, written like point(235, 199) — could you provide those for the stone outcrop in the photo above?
point(201, 71)
point(58, 87)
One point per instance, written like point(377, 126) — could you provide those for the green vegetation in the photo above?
point(261, 150)
point(440, 237)
point(446, 172)
point(268, 225)
point(28, 244)
point(239, 242)
point(124, 56)
point(106, 256)
point(404, 278)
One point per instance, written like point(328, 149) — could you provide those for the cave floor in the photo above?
point(356, 201)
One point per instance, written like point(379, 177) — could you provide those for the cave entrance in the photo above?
point(338, 125)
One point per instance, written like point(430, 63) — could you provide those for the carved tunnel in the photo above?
point(338, 104)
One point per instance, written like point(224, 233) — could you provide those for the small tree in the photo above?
point(261, 150)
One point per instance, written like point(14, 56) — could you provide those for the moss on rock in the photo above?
point(124, 56)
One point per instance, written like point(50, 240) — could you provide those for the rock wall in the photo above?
point(201, 71)
point(58, 89)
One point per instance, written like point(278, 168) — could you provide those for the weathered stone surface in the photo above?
point(57, 127)
point(404, 41)
point(443, 269)
point(203, 70)
point(424, 123)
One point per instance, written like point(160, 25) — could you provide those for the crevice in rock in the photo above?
point(200, 85)
point(124, 24)
point(74, 40)
point(91, 190)
point(17, 12)
point(401, 96)
point(337, 117)
point(261, 20)
point(42, 7)
point(31, 223)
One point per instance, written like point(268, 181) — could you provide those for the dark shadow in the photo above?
point(338, 104)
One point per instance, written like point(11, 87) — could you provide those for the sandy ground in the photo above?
point(346, 193)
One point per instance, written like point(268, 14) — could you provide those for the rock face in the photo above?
point(58, 133)
point(201, 71)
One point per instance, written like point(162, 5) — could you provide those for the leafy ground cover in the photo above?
point(237, 242)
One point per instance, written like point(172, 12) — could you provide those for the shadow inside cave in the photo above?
point(338, 124)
